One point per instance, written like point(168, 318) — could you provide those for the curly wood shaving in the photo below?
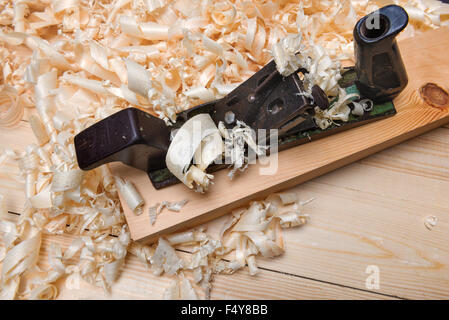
point(111, 271)
point(235, 141)
point(284, 54)
point(147, 31)
point(430, 222)
point(197, 275)
point(143, 252)
point(207, 146)
point(158, 207)
point(153, 212)
point(201, 254)
point(130, 194)
point(159, 94)
point(339, 110)
point(18, 260)
point(11, 108)
point(292, 219)
point(153, 5)
point(186, 143)
point(284, 198)
point(231, 221)
point(43, 292)
point(186, 237)
point(165, 259)
point(138, 78)
point(175, 206)
point(11, 231)
point(42, 200)
point(267, 247)
point(66, 180)
point(38, 130)
point(254, 219)
point(357, 109)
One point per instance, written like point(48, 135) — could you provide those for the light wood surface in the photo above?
point(137, 282)
point(367, 213)
point(424, 58)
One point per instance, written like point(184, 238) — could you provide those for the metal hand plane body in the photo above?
point(131, 136)
point(267, 100)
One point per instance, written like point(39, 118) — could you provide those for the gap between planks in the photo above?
point(380, 294)
point(290, 263)
point(318, 282)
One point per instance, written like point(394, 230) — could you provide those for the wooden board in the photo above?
point(138, 282)
point(368, 213)
point(426, 60)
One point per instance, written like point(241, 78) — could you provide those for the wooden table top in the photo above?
point(367, 216)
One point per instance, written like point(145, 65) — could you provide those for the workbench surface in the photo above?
point(367, 217)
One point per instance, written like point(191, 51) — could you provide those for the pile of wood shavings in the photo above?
point(71, 63)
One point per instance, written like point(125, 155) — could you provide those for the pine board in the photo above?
point(426, 60)
point(368, 213)
point(136, 282)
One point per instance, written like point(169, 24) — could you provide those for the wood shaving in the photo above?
point(11, 109)
point(174, 206)
point(158, 207)
point(284, 54)
point(165, 259)
point(430, 222)
point(338, 111)
point(153, 212)
point(180, 289)
point(130, 194)
point(235, 142)
point(192, 141)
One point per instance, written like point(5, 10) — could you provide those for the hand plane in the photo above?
point(267, 100)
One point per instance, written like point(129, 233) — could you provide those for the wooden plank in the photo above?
point(324, 249)
point(349, 231)
point(373, 215)
point(11, 187)
point(413, 261)
point(137, 282)
point(417, 171)
point(408, 181)
point(424, 58)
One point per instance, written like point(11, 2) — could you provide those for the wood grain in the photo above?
point(370, 215)
point(137, 282)
point(370, 212)
point(11, 187)
point(424, 58)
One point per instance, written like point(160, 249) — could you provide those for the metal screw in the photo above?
point(229, 117)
